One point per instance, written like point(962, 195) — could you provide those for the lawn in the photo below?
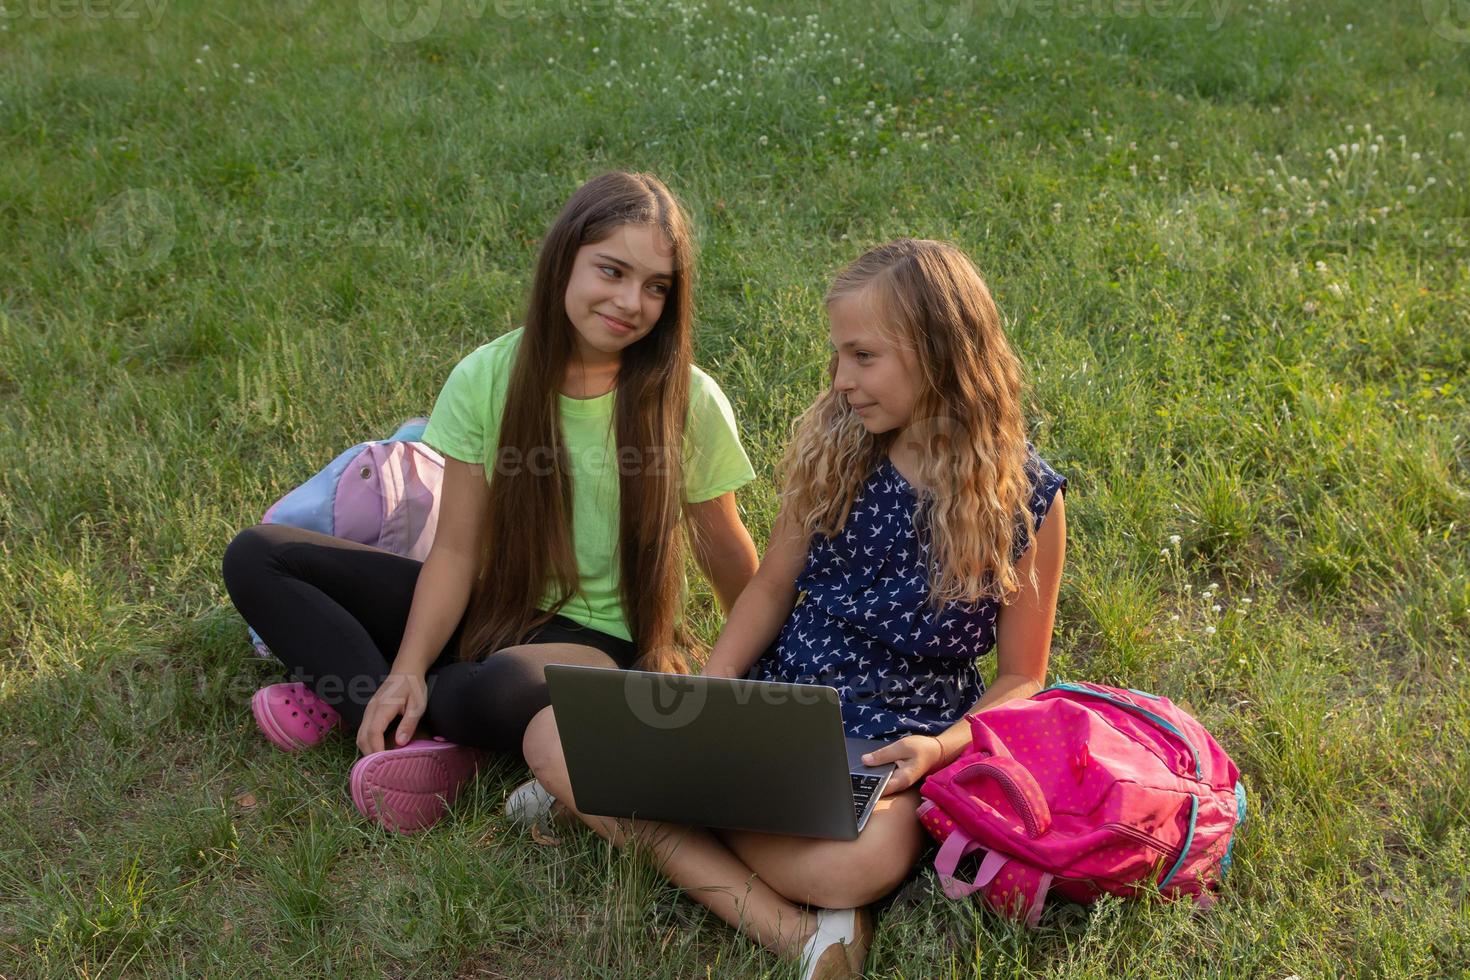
point(1232, 245)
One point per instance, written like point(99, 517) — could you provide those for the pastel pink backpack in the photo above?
point(383, 493)
point(1084, 790)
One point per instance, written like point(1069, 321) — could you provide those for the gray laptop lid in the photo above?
point(709, 751)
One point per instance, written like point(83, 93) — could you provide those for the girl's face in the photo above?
point(617, 289)
point(879, 379)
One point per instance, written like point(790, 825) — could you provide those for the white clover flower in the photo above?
point(1174, 539)
point(1214, 608)
point(764, 140)
point(1210, 630)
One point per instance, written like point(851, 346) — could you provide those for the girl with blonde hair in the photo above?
point(918, 531)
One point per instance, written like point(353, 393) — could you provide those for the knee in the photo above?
point(511, 689)
point(864, 870)
point(541, 746)
point(860, 881)
point(246, 554)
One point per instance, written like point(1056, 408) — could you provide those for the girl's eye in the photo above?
point(862, 354)
point(612, 272)
point(659, 289)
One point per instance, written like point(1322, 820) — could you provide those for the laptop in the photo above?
point(713, 752)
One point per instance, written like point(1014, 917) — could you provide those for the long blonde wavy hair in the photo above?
point(928, 298)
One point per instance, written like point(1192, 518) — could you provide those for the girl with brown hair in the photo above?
point(577, 449)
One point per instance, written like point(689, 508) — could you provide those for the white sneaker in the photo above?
point(529, 805)
point(839, 946)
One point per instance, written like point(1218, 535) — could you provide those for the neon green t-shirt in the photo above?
point(465, 424)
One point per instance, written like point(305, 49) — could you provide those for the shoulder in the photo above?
point(496, 352)
point(706, 397)
point(491, 357)
point(1046, 483)
point(704, 386)
point(1043, 477)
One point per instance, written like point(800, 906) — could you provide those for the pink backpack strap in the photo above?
point(1017, 890)
point(951, 852)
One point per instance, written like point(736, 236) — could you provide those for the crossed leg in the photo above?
point(756, 882)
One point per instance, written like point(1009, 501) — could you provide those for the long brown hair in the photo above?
point(529, 546)
point(929, 298)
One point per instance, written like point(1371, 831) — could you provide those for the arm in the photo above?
point(764, 606)
point(439, 600)
point(1022, 648)
point(722, 546)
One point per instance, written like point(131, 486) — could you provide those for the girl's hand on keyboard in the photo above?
point(914, 755)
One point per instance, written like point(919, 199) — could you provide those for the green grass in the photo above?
point(216, 278)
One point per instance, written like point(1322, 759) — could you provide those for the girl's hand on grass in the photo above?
point(400, 694)
point(915, 755)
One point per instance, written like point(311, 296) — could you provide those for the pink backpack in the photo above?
point(1084, 790)
point(383, 493)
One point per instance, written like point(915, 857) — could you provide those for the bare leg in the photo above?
point(691, 857)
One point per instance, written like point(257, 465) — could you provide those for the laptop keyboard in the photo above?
point(863, 787)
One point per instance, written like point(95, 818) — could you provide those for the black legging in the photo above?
point(333, 611)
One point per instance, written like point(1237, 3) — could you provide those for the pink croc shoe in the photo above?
point(409, 789)
point(292, 716)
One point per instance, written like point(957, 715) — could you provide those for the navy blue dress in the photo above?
point(863, 623)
